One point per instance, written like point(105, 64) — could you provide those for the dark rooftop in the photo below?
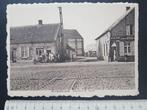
point(72, 34)
point(35, 33)
point(40, 33)
point(116, 22)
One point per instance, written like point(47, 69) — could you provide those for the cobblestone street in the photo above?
point(76, 76)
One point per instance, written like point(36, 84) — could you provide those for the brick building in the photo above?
point(117, 42)
point(75, 41)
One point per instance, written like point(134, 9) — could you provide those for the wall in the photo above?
point(76, 44)
point(103, 47)
point(119, 30)
point(32, 47)
point(119, 34)
point(121, 48)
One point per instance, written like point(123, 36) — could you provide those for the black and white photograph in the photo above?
point(72, 49)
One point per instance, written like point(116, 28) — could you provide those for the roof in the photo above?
point(71, 34)
point(115, 23)
point(40, 33)
point(35, 33)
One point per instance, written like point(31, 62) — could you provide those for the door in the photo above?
point(48, 52)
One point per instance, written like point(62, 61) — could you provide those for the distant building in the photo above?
point(90, 50)
point(29, 42)
point(74, 40)
point(117, 42)
point(90, 53)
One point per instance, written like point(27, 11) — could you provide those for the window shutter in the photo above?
point(28, 51)
point(121, 48)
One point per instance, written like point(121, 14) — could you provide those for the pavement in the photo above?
point(76, 76)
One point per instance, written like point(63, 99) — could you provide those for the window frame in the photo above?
point(39, 50)
point(24, 51)
point(127, 48)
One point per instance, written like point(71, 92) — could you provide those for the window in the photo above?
point(71, 40)
point(71, 43)
point(13, 54)
point(127, 48)
point(79, 44)
point(39, 51)
point(30, 52)
point(24, 52)
point(80, 40)
point(129, 29)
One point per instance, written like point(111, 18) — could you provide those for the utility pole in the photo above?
point(61, 18)
point(62, 48)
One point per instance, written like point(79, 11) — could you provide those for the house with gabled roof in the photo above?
point(117, 42)
point(44, 41)
point(29, 42)
point(74, 40)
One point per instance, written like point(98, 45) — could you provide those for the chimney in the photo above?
point(127, 8)
point(40, 22)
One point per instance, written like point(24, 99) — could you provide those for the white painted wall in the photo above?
point(105, 46)
point(46, 46)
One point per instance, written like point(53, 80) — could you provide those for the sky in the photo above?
point(89, 19)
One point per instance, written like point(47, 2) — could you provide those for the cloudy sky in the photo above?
point(89, 19)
